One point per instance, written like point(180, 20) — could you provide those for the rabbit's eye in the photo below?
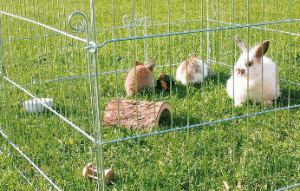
point(248, 64)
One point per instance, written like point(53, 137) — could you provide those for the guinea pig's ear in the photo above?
point(241, 44)
point(137, 63)
point(150, 65)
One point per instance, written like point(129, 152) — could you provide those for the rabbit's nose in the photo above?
point(240, 71)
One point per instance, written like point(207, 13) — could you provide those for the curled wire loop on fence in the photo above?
point(83, 27)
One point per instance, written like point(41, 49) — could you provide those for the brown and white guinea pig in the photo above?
point(192, 71)
point(141, 74)
point(164, 82)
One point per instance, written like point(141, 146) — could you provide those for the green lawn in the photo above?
point(260, 151)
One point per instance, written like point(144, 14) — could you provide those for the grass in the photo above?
point(260, 151)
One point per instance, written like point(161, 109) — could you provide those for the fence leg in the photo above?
point(97, 124)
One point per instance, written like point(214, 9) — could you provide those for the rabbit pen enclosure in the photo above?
point(79, 52)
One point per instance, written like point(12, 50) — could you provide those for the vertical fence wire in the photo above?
point(261, 40)
point(276, 101)
point(99, 145)
point(186, 59)
point(216, 56)
point(114, 58)
point(289, 99)
point(2, 73)
point(247, 163)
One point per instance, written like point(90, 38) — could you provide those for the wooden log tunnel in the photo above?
point(137, 114)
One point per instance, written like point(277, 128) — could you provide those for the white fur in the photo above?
point(259, 80)
point(197, 76)
point(181, 77)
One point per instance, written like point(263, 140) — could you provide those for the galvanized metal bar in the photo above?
point(288, 187)
point(50, 109)
point(27, 180)
point(127, 70)
point(267, 29)
point(43, 25)
point(30, 161)
point(157, 24)
point(98, 143)
point(3, 70)
point(194, 31)
point(201, 124)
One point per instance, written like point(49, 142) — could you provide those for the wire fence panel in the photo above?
point(65, 70)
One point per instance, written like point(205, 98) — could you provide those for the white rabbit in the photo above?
point(255, 76)
point(193, 71)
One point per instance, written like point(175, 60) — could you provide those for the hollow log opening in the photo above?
point(165, 118)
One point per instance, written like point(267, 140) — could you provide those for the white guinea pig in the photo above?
point(254, 76)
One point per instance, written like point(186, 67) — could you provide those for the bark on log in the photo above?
point(137, 114)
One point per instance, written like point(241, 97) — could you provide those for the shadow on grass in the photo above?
point(287, 97)
point(220, 77)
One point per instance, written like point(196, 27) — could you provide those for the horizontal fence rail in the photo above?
point(191, 32)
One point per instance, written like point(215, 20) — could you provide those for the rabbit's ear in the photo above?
point(150, 65)
point(137, 63)
point(241, 44)
point(261, 49)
